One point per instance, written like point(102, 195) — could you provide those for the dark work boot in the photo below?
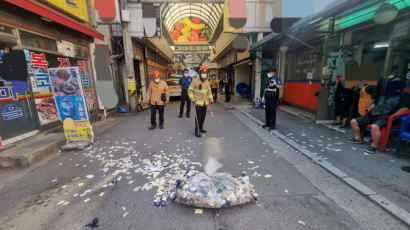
point(198, 135)
point(202, 130)
point(152, 127)
point(161, 126)
point(180, 115)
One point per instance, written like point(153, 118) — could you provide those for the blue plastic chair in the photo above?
point(404, 134)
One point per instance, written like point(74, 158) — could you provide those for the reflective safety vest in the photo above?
point(200, 92)
point(154, 92)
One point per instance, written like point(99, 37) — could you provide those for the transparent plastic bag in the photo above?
point(216, 191)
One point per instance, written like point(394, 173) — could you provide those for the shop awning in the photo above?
point(54, 15)
point(265, 41)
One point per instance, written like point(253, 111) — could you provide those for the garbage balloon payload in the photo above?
point(214, 189)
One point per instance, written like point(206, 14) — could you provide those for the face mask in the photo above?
point(156, 80)
point(269, 75)
point(185, 75)
point(204, 75)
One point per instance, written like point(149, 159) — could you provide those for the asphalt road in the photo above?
point(104, 182)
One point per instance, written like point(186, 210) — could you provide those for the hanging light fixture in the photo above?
point(385, 13)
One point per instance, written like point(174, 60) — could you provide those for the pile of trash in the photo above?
point(208, 190)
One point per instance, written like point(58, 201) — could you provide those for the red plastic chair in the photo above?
point(393, 124)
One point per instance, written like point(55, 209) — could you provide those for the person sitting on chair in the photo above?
point(395, 101)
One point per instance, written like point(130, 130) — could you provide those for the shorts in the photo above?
point(380, 120)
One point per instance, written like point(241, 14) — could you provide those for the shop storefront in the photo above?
point(364, 51)
point(303, 73)
point(29, 46)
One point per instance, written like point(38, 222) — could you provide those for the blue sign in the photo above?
point(11, 112)
point(42, 80)
point(72, 107)
point(84, 79)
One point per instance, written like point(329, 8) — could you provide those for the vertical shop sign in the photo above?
point(68, 93)
point(1, 143)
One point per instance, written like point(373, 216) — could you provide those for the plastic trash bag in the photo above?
point(258, 103)
point(212, 166)
point(122, 109)
point(213, 189)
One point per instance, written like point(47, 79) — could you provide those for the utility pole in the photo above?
point(129, 65)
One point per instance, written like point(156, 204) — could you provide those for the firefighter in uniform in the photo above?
point(157, 96)
point(271, 94)
point(201, 95)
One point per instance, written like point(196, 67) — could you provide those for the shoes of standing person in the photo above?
point(335, 123)
point(265, 126)
point(343, 126)
point(187, 115)
point(371, 150)
point(202, 131)
point(152, 127)
point(354, 141)
point(198, 135)
point(161, 126)
point(272, 128)
point(180, 116)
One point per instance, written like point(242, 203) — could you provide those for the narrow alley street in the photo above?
point(107, 181)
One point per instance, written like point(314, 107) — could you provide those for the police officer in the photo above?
point(200, 93)
point(157, 96)
point(271, 94)
point(185, 81)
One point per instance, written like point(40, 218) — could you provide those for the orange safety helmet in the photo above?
point(155, 74)
point(204, 68)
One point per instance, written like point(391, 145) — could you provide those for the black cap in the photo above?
point(186, 70)
point(272, 70)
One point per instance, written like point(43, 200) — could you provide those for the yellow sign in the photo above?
point(227, 26)
point(77, 8)
point(156, 65)
point(76, 129)
point(131, 84)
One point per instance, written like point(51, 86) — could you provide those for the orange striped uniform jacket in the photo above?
point(154, 92)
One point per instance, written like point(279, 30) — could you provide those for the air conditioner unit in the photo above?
point(125, 15)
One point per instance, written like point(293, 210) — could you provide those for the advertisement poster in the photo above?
point(77, 129)
point(46, 110)
point(89, 99)
point(38, 64)
point(65, 48)
point(68, 93)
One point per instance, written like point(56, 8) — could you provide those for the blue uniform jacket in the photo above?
point(185, 82)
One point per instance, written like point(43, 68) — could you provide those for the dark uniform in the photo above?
point(185, 82)
point(271, 100)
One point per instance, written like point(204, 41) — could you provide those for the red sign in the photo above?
point(39, 60)
point(1, 143)
point(64, 62)
point(170, 68)
point(107, 10)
